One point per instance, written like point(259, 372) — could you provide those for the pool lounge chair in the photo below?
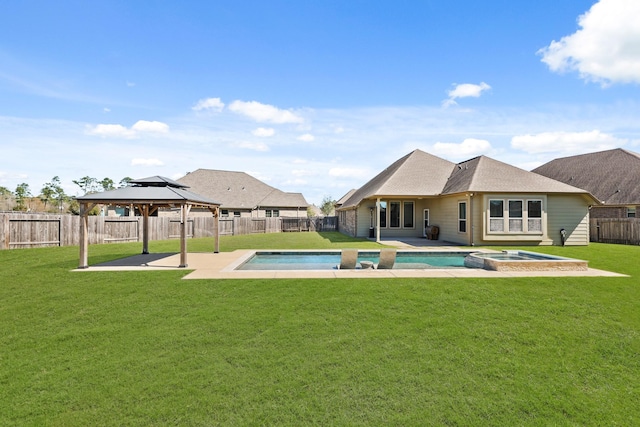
point(387, 259)
point(348, 259)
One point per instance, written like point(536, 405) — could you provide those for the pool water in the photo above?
point(329, 260)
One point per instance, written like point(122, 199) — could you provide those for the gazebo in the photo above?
point(147, 195)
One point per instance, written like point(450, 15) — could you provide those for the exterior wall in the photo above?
point(347, 222)
point(570, 212)
point(448, 220)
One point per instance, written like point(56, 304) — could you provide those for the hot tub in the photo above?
point(523, 261)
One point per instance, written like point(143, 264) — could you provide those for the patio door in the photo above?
point(425, 222)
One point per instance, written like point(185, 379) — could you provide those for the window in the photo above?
point(394, 214)
point(631, 212)
point(383, 214)
point(515, 216)
point(496, 215)
point(534, 216)
point(272, 213)
point(408, 215)
point(225, 212)
point(462, 217)
point(236, 214)
point(519, 216)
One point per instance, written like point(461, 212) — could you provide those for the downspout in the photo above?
point(471, 226)
point(377, 219)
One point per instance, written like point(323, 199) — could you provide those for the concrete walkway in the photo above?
point(222, 266)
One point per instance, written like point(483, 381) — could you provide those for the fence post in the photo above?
point(5, 233)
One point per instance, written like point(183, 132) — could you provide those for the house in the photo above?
point(241, 195)
point(477, 202)
point(612, 176)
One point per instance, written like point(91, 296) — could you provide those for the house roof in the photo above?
point(420, 174)
point(416, 174)
point(157, 190)
point(239, 190)
point(612, 175)
point(484, 174)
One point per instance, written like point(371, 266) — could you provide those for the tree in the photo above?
point(46, 194)
point(125, 182)
point(107, 184)
point(328, 205)
point(22, 193)
point(87, 184)
point(53, 191)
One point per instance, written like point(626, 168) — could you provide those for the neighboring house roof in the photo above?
point(239, 190)
point(421, 174)
point(612, 175)
point(157, 190)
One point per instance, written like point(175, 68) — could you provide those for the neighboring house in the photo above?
point(477, 202)
point(613, 176)
point(241, 195)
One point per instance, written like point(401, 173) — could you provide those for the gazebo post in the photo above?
point(184, 214)
point(84, 234)
point(216, 230)
point(145, 229)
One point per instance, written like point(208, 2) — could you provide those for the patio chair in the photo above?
point(348, 259)
point(387, 259)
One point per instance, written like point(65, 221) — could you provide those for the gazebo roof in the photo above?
point(156, 190)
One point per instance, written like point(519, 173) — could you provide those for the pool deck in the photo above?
point(222, 266)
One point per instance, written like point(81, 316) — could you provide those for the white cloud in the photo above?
point(264, 113)
point(299, 161)
point(119, 131)
point(146, 162)
point(212, 104)
point(130, 84)
point(255, 146)
point(348, 173)
point(111, 131)
point(465, 90)
point(307, 137)
point(566, 142)
point(470, 147)
point(605, 49)
point(264, 132)
point(147, 126)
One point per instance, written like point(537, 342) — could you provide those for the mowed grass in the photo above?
point(147, 348)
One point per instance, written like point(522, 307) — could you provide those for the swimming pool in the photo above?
point(415, 260)
point(308, 260)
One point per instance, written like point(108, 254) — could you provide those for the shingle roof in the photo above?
point(612, 175)
point(484, 174)
point(416, 174)
point(420, 174)
point(239, 190)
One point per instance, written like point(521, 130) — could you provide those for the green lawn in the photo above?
point(147, 348)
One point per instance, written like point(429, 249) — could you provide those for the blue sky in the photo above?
point(312, 97)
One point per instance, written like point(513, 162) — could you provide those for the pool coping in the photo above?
point(222, 266)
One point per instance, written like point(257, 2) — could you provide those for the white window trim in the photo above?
point(525, 216)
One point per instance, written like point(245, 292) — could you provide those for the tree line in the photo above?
point(52, 197)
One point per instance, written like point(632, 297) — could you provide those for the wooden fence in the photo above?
point(615, 230)
point(20, 230)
